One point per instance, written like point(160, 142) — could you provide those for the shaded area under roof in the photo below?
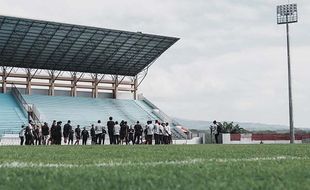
point(28, 43)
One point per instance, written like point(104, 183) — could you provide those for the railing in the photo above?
point(29, 110)
point(20, 100)
point(164, 117)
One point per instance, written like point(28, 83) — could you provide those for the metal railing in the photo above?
point(29, 110)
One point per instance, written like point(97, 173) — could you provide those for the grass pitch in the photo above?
point(156, 167)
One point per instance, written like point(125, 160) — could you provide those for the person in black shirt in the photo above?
point(77, 135)
point(85, 136)
point(111, 125)
point(45, 132)
point(67, 129)
point(53, 134)
point(58, 133)
point(71, 133)
point(138, 132)
point(124, 132)
point(131, 131)
point(93, 134)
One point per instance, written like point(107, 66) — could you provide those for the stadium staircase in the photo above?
point(12, 116)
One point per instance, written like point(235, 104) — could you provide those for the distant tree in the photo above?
point(230, 127)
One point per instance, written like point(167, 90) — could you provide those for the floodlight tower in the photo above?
point(287, 14)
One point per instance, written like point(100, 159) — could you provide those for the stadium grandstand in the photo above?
point(55, 71)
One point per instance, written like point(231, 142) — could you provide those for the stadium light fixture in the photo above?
point(287, 14)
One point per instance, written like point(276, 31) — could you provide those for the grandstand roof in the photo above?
point(29, 43)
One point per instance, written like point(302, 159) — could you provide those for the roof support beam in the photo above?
point(4, 90)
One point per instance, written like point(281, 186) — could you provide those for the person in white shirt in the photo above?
point(156, 132)
point(169, 133)
point(149, 132)
point(165, 134)
point(22, 135)
point(98, 132)
point(117, 129)
point(161, 133)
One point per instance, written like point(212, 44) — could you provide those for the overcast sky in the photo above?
point(230, 63)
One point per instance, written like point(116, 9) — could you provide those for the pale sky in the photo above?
point(230, 63)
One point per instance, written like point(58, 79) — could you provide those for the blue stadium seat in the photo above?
point(85, 111)
point(11, 115)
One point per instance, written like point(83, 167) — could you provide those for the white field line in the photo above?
point(151, 164)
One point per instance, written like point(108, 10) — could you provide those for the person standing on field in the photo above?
point(156, 132)
point(131, 131)
point(71, 134)
point(98, 132)
point(66, 131)
point(93, 134)
point(53, 132)
point(117, 129)
point(111, 125)
point(45, 133)
point(149, 132)
point(22, 135)
point(58, 133)
point(217, 127)
point(85, 136)
point(169, 133)
point(77, 135)
point(138, 133)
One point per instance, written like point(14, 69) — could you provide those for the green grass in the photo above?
point(156, 167)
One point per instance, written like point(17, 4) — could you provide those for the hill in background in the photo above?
point(204, 125)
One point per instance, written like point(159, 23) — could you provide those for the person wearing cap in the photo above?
point(22, 135)
point(66, 131)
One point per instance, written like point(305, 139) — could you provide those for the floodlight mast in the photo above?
point(287, 14)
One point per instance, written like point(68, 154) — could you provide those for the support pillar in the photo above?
point(115, 90)
point(73, 88)
point(28, 86)
point(51, 90)
point(135, 86)
point(4, 90)
point(95, 87)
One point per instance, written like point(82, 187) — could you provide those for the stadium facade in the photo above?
point(52, 70)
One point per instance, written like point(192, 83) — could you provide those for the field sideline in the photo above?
point(156, 167)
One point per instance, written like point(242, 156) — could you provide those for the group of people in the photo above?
point(119, 133)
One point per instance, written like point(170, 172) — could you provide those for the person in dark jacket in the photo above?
point(71, 134)
point(85, 136)
point(45, 133)
point(111, 125)
point(77, 135)
point(58, 133)
point(66, 131)
point(124, 132)
point(53, 132)
point(138, 132)
point(131, 131)
point(93, 134)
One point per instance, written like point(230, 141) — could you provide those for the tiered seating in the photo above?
point(85, 111)
point(11, 116)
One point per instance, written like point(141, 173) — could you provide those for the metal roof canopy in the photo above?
point(28, 43)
